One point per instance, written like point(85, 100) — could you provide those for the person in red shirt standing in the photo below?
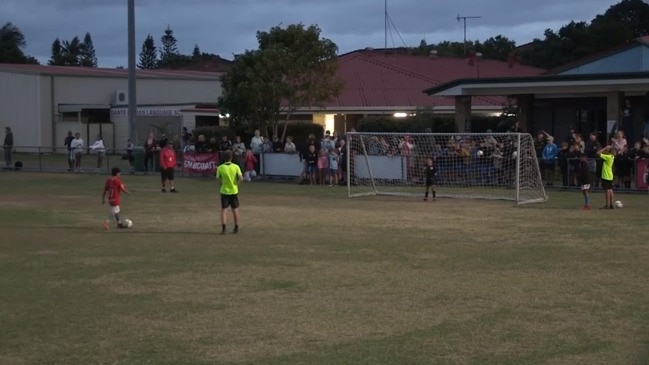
point(167, 167)
point(113, 188)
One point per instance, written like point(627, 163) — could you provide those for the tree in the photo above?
point(169, 52)
point(71, 52)
point(87, 54)
point(497, 48)
point(56, 59)
point(196, 54)
point(148, 55)
point(12, 42)
point(294, 67)
point(619, 24)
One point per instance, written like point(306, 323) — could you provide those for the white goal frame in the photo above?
point(391, 173)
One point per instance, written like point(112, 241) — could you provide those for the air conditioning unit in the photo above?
point(120, 97)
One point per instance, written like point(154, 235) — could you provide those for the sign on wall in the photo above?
point(147, 112)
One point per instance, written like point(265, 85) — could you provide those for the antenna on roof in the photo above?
point(464, 18)
point(389, 24)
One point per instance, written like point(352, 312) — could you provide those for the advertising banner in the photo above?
point(200, 163)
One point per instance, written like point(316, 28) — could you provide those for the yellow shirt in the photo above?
point(607, 166)
point(229, 173)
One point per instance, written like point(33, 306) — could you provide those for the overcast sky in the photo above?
point(228, 27)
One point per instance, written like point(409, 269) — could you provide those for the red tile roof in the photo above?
point(378, 79)
point(108, 72)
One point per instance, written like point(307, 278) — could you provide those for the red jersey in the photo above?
point(114, 187)
point(167, 158)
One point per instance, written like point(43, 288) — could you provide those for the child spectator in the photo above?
point(333, 166)
point(562, 157)
point(289, 146)
point(323, 166)
point(311, 159)
point(584, 179)
point(549, 155)
point(250, 161)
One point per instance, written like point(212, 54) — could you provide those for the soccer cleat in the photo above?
point(105, 225)
point(174, 190)
point(425, 199)
point(164, 190)
point(235, 231)
point(586, 207)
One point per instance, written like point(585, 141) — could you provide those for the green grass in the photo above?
point(316, 278)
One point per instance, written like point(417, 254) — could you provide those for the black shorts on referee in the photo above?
point(231, 201)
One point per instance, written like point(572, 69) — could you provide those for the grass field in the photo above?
point(316, 278)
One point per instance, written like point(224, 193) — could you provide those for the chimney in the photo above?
point(432, 54)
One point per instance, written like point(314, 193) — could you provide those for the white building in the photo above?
point(42, 103)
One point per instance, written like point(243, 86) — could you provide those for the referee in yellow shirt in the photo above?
point(229, 174)
point(607, 156)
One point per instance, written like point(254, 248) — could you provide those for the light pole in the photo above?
point(132, 100)
point(464, 18)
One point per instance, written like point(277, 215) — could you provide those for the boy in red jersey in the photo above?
point(167, 167)
point(113, 188)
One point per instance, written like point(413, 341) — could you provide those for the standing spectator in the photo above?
point(185, 136)
point(278, 147)
point(622, 167)
point(584, 179)
point(257, 147)
point(250, 161)
point(594, 164)
point(66, 143)
point(129, 155)
point(77, 149)
point(8, 146)
point(167, 167)
point(149, 148)
point(608, 156)
point(549, 156)
point(229, 175)
point(333, 167)
point(289, 146)
point(645, 128)
point(267, 145)
point(627, 120)
point(618, 142)
point(177, 146)
point(562, 157)
point(224, 145)
point(342, 160)
point(238, 151)
point(323, 166)
point(311, 160)
point(100, 150)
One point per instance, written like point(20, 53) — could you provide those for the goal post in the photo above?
point(469, 165)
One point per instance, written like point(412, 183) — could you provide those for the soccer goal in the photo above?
point(469, 165)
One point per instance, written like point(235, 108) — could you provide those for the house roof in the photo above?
point(543, 84)
point(640, 41)
point(374, 79)
point(107, 72)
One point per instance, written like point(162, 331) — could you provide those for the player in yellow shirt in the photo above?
point(229, 174)
point(607, 155)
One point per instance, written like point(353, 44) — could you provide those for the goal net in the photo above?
point(468, 165)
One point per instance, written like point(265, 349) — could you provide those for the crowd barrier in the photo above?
point(289, 165)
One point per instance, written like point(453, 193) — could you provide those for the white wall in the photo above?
point(100, 90)
point(20, 107)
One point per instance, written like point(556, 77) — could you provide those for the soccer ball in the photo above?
point(127, 223)
point(480, 153)
point(618, 204)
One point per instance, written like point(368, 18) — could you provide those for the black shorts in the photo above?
point(429, 182)
point(607, 184)
point(231, 201)
point(167, 174)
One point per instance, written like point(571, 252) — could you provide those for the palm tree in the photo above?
point(12, 41)
point(71, 51)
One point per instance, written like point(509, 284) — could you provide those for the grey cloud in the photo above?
point(228, 27)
